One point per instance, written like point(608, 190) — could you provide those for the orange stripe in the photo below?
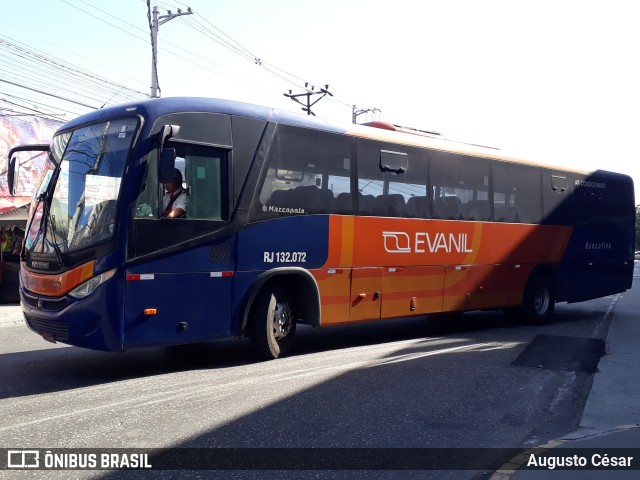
point(335, 299)
point(58, 284)
point(340, 242)
point(392, 296)
point(346, 259)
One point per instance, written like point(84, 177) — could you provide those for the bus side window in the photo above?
point(389, 178)
point(557, 199)
point(308, 172)
point(517, 196)
point(204, 182)
point(203, 172)
point(460, 187)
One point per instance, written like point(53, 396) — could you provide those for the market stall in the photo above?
point(12, 226)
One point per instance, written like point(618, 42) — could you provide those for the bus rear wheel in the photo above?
point(539, 299)
point(273, 326)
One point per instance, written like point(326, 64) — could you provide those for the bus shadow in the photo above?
point(401, 399)
point(436, 325)
point(59, 369)
point(398, 399)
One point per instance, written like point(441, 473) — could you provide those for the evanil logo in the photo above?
point(422, 242)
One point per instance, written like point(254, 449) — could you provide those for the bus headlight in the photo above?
point(87, 288)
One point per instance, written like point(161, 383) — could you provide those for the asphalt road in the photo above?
point(436, 382)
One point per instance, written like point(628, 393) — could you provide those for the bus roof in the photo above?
point(376, 131)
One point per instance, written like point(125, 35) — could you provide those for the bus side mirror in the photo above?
point(167, 160)
point(167, 132)
point(166, 165)
point(13, 174)
point(14, 163)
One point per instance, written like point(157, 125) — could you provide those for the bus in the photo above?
point(297, 220)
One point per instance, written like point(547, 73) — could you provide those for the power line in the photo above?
point(83, 88)
point(230, 44)
point(60, 64)
point(206, 28)
point(60, 81)
point(49, 94)
point(29, 111)
point(60, 48)
point(103, 20)
point(93, 95)
point(16, 98)
point(247, 54)
point(234, 46)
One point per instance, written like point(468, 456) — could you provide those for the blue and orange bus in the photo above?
point(291, 219)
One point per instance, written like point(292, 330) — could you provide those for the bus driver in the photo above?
point(174, 201)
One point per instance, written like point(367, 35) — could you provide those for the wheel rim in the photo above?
point(282, 320)
point(541, 300)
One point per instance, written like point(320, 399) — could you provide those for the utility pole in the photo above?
point(156, 21)
point(307, 108)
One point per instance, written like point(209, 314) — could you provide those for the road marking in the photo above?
point(598, 330)
point(561, 393)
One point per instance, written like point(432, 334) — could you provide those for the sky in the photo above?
point(555, 80)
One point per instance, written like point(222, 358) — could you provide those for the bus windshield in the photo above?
point(79, 209)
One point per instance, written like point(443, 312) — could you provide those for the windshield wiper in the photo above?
point(45, 228)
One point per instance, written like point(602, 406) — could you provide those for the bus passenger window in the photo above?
point(308, 172)
point(517, 197)
point(389, 176)
point(447, 207)
point(557, 199)
point(418, 206)
point(460, 187)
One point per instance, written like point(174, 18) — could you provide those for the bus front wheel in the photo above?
point(273, 326)
point(539, 299)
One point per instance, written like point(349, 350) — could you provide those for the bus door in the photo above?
point(182, 292)
point(366, 294)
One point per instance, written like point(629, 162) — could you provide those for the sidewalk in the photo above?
point(10, 313)
point(611, 418)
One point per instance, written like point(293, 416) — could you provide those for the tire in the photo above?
point(273, 326)
point(539, 300)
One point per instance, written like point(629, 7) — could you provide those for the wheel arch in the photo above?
point(548, 270)
point(305, 293)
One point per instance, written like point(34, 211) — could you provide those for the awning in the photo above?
point(8, 203)
point(17, 216)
